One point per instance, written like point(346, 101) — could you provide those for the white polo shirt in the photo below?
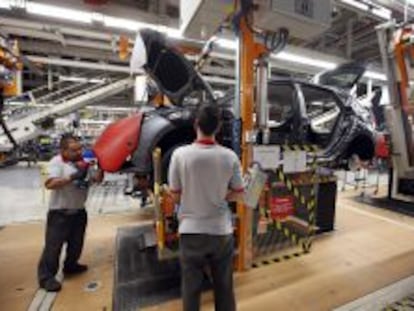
point(69, 196)
point(203, 172)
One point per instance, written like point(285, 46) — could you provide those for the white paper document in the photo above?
point(267, 156)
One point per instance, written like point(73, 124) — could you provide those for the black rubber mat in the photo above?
point(140, 279)
point(392, 205)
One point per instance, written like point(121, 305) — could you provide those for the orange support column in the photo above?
point(247, 56)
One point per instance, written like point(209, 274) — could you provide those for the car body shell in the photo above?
point(349, 133)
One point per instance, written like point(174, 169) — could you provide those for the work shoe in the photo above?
point(51, 285)
point(75, 269)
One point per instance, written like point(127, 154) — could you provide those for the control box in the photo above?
point(199, 19)
point(303, 18)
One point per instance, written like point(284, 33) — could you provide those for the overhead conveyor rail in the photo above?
point(45, 96)
point(23, 127)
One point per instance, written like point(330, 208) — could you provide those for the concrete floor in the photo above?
point(24, 199)
point(369, 250)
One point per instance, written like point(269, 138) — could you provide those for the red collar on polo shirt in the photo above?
point(206, 141)
point(64, 159)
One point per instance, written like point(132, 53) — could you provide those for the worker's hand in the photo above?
point(81, 183)
point(235, 196)
point(81, 171)
point(98, 176)
point(165, 189)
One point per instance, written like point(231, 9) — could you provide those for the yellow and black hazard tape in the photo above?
point(311, 206)
point(296, 147)
point(304, 242)
point(326, 179)
point(310, 203)
point(290, 185)
point(277, 259)
point(294, 189)
point(293, 237)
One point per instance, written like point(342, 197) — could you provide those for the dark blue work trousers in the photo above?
point(198, 251)
point(63, 226)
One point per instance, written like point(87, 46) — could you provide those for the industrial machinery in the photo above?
point(200, 18)
point(10, 64)
point(397, 49)
point(169, 126)
point(321, 112)
point(23, 126)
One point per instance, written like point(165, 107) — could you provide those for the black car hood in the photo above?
point(174, 75)
point(343, 77)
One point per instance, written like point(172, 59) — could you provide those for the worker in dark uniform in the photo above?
point(203, 178)
point(68, 179)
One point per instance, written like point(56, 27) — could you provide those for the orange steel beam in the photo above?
point(249, 52)
point(245, 215)
point(403, 49)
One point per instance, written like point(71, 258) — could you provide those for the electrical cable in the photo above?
point(273, 41)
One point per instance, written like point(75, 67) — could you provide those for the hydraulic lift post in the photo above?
point(249, 51)
point(397, 51)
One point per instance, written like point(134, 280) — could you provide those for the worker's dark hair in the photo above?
point(208, 118)
point(66, 139)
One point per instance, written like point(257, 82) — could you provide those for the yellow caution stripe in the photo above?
point(296, 147)
point(277, 259)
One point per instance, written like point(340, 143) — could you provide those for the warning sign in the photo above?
point(281, 207)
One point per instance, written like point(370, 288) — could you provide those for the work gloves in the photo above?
point(79, 178)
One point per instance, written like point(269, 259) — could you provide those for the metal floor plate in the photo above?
point(406, 304)
point(392, 205)
point(140, 279)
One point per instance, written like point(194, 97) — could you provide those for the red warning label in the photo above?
point(281, 207)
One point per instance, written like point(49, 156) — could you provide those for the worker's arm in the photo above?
point(236, 184)
point(98, 176)
point(235, 196)
point(176, 197)
point(53, 183)
point(57, 182)
point(55, 178)
point(174, 179)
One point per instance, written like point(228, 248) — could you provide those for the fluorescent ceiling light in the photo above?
point(5, 4)
point(290, 57)
point(356, 4)
point(124, 23)
point(171, 32)
point(226, 43)
point(109, 21)
point(375, 75)
point(132, 25)
point(382, 12)
point(21, 4)
point(365, 5)
point(98, 17)
point(231, 44)
point(80, 79)
point(58, 12)
point(89, 17)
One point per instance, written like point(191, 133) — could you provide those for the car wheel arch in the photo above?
point(363, 146)
point(171, 141)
